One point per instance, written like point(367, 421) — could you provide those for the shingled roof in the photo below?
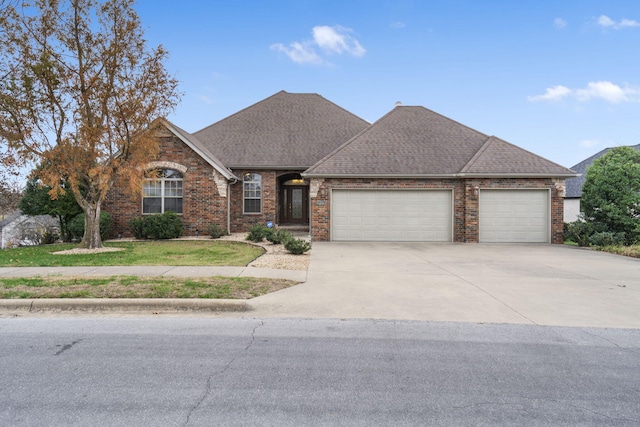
point(196, 145)
point(284, 131)
point(417, 142)
point(574, 185)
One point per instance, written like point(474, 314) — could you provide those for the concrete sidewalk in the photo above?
point(155, 270)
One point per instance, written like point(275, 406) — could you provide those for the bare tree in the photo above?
point(78, 90)
point(11, 192)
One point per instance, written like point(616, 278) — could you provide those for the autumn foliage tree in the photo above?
point(78, 90)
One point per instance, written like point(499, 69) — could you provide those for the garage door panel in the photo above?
point(391, 215)
point(514, 216)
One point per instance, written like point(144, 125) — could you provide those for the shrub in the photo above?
point(167, 225)
point(76, 226)
point(578, 231)
point(257, 233)
point(297, 246)
point(137, 228)
point(50, 237)
point(607, 238)
point(278, 235)
point(215, 231)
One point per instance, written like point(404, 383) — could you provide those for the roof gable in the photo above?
point(415, 141)
point(196, 145)
point(407, 140)
point(285, 130)
point(499, 157)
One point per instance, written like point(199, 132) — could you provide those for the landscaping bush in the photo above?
point(579, 232)
point(215, 231)
point(607, 238)
point(49, 237)
point(278, 235)
point(257, 233)
point(297, 246)
point(137, 228)
point(167, 225)
point(76, 226)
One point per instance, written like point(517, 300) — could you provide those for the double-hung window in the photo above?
point(252, 189)
point(162, 192)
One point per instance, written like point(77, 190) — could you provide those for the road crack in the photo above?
point(67, 347)
point(221, 372)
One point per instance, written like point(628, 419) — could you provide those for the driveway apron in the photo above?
point(493, 283)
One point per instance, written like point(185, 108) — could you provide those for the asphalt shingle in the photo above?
point(415, 141)
point(283, 131)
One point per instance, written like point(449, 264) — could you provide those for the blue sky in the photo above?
point(559, 78)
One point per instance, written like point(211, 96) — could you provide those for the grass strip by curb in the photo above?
point(139, 287)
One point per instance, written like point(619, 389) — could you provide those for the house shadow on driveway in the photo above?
point(494, 283)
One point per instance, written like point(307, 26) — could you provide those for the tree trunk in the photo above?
point(91, 238)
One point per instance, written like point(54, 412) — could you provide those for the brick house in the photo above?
point(299, 159)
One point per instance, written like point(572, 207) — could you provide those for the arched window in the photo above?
point(252, 188)
point(162, 191)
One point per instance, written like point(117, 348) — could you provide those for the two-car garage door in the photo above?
point(516, 216)
point(391, 215)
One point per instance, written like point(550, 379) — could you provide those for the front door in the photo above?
point(294, 205)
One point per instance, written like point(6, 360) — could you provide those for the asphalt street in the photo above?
point(291, 372)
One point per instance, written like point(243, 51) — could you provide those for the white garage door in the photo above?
point(391, 215)
point(514, 216)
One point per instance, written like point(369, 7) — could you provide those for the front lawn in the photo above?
point(167, 252)
point(138, 287)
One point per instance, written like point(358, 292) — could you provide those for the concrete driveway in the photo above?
point(501, 283)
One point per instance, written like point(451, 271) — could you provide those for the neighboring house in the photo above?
point(574, 185)
point(299, 159)
point(18, 229)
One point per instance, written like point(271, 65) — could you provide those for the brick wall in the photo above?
point(465, 201)
point(240, 222)
point(202, 203)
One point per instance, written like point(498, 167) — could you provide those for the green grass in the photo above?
point(138, 287)
point(171, 252)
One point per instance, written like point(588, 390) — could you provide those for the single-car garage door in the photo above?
point(514, 216)
point(391, 215)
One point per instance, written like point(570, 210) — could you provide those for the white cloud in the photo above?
point(299, 52)
point(331, 40)
point(337, 40)
point(555, 93)
point(397, 24)
point(560, 23)
point(607, 23)
point(603, 90)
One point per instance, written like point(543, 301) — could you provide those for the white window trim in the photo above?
point(244, 198)
point(162, 194)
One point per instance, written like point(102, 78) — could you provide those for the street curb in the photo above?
point(123, 305)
